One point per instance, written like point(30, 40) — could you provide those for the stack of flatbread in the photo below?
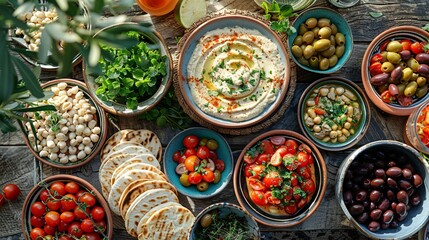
point(138, 190)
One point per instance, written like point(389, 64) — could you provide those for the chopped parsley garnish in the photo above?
point(254, 97)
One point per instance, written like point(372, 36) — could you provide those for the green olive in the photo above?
point(413, 64)
point(339, 50)
point(296, 51)
point(303, 61)
point(384, 55)
point(308, 51)
point(302, 29)
point(203, 142)
point(321, 45)
point(382, 88)
point(328, 53)
point(314, 62)
point(315, 31)
point(394, 46)
point(393, 57)
point(333, 60)
point(311, 23)
point(217, 176)
point(421, 81)
point(402, 64)
point(323, 22)
point(414, 77)
point(212, 144)
point(407, 73)
point(206, 220)
point(324, 64)
point(340, 39)
point(303, 46)
point(387, 67)
point(298, 40)
point(401, 88)
point(410, 89)
point(184, 180)
point(421, 91)
point(334, 29)
point(325, 32)
point(48, 237)
point(308, 37)
point(332, 38)
point(202, 186)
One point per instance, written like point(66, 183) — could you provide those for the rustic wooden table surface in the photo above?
point(18, 165)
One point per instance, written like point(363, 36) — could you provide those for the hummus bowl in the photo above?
point(233, 71)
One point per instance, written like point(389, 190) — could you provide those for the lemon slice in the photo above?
point(189, 11)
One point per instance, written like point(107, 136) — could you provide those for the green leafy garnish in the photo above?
point(279, 15)
point(375, 14)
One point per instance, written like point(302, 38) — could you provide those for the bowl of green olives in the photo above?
point(323, 42)
point(395, 69)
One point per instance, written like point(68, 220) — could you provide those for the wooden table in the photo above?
point(328, 222)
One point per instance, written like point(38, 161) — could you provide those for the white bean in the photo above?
point(96, 130)
point(81, 155)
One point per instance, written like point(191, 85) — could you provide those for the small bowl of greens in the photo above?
point(132, 80)
point(225, 221)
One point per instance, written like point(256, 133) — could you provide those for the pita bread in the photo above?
point(116, 148)
point(143, 204)
point(146, 138)
point(114, 140)
point(122, 183)
point(152, 211)
point(133, 149)
point(171, 223)
point(143, 162)
point(137, 188)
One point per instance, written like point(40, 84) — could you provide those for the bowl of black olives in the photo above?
point(382, 189)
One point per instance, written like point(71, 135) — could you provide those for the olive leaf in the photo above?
point(375, 14)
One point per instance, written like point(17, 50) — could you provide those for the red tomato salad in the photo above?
point(423, 126)
point(280, 175)
point(198, 163)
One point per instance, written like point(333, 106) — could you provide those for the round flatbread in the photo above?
point(151, 212)
point(122, 183)
point(133, 149)
point(171, 223)
point(143, 204)
point(114, 140)
point(143, 162)
point(116, 149)
point(146, 138)
point(137, 188)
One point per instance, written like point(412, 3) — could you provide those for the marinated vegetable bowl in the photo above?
point(395, 69)
point(280, 178)
point(417, 128)
point(334, 113)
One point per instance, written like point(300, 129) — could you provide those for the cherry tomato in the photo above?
point(49, 230)
point(75, 230)
point(271, 199)
point(304, 172)
point(272, 179)
point(302, 202)
point(92, 236)
point(219, 165)
point(404, 100)
point(65, 237)
point(212, 144)
point(291, 162)
point(248, 170)
point(68, 202)
point(213, 155)
point(387, 97)
point(37, 221)
point(208, 175)
point(88, 199)
point(101, 225)
point(310, 159)
point(63, 226)
point(203, 152)
point(267, 146)
point(11, 191)
point(53, 204)
point(1, 200)
point(376, 58)
point(58, 189)
point(417, 48)
point(304, 148)
point(44, 195)
point(79, 213)
point(303, 159)
point(189, 152)
point(282, 151)
point(38, 209)
point(383, 46)
point(80, 193)
point(289, 193)
point(195, 178)
point(263, 158)
point(258, 197)
point(276, 159)
point(176, 156)
point(375, 68)
point(319, 111)
point(406, 44)
point(291, 208)
point(308, 186)
point(67, 217)
point(72, 187)
point(249, 159)
point(52, 218)
point(190, 141)
point(291, 146)
point(298, 193)
point(182, 159)
point(258, 170)
point(37, 233)
point(87, 225)
point(97, 213)
point(256, 184)
point(192, 162)
point(294, 179)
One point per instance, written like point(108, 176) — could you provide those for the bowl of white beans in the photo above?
point(333, 113)
point(71, 136)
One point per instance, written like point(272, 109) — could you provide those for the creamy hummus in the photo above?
point(235, 73)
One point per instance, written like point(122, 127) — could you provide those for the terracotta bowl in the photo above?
point(34, 194)
point(395, 33)
point(360, 129)
point(417, 216)
point(120, 109)
point(184, 77)
point(101, 121)
point(283, 221)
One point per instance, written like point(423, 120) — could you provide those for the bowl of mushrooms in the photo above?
point(72, 135)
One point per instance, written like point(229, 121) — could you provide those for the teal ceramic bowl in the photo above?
point(360, 128)
point(223, 152)
point(343, 27)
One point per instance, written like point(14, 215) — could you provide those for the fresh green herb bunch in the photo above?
point(131, 75)
point(279, 15)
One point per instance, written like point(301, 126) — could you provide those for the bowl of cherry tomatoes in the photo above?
point(280, 178)
point(198, 162)
point(66, 207)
